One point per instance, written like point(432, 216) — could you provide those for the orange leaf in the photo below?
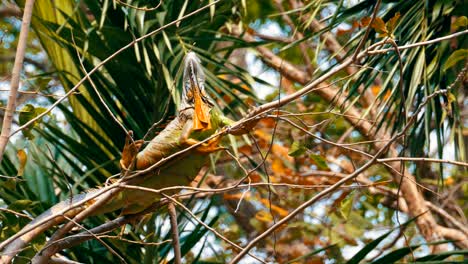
point(376, 90)
point(341, 32)
point(278, 167)
point(268, 122)
point(355, 24)
point(234, 196)
point(282, 212)
point(281, 151)
point(392, 22)
point(255, 177)
point(262, 135)
point(449, 181)
point(245, 149)
point(365, 21)
point(379, 26)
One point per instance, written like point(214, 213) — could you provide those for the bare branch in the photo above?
point(453, 162)
point(15, 77)
point(418, 44)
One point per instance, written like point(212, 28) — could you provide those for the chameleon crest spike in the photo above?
point(192, 67)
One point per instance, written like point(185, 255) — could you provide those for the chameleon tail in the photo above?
point(14, 247)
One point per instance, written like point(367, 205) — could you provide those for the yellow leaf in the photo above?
point(460, 22)
point(277, 167)
point(263, 216)
point(22, 157)
point(449, 181)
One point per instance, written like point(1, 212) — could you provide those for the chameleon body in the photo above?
point(197, 120)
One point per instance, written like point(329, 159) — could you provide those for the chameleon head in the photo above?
point(194, 94)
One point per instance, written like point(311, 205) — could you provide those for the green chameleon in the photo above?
point(197, 120)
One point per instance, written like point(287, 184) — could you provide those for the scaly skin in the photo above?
point(198, 119)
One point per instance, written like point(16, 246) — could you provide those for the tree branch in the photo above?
point(416, 202)
point(15, 76)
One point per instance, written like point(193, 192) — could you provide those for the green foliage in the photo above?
point(296, 149)
point(28, 113)
point(455, 57)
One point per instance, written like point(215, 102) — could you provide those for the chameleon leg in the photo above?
point(210, 146)
point(130, 151)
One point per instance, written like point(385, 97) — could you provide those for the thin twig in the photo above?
point(146, 9)
point(345, 146)
point(16, 213)
point(448, 217)
point(80, 59)
point(418, 44)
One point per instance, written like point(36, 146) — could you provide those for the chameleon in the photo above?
point(197, 120)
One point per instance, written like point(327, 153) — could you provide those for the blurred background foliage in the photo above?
point(77, 146)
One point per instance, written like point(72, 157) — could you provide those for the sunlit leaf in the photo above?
point(455, 57)
point(168, 42)
point(28, 113)
point(460, 22)
point(296, 149)
point(391, 24)
point(347, 205)
point(379, 25)
point(264, 216)
point(320, 161)
point(20, 205)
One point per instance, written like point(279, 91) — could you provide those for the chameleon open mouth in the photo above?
point(194, 82)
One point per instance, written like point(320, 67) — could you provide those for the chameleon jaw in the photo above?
point(201, 118)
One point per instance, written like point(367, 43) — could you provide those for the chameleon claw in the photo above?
point(130, 151)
